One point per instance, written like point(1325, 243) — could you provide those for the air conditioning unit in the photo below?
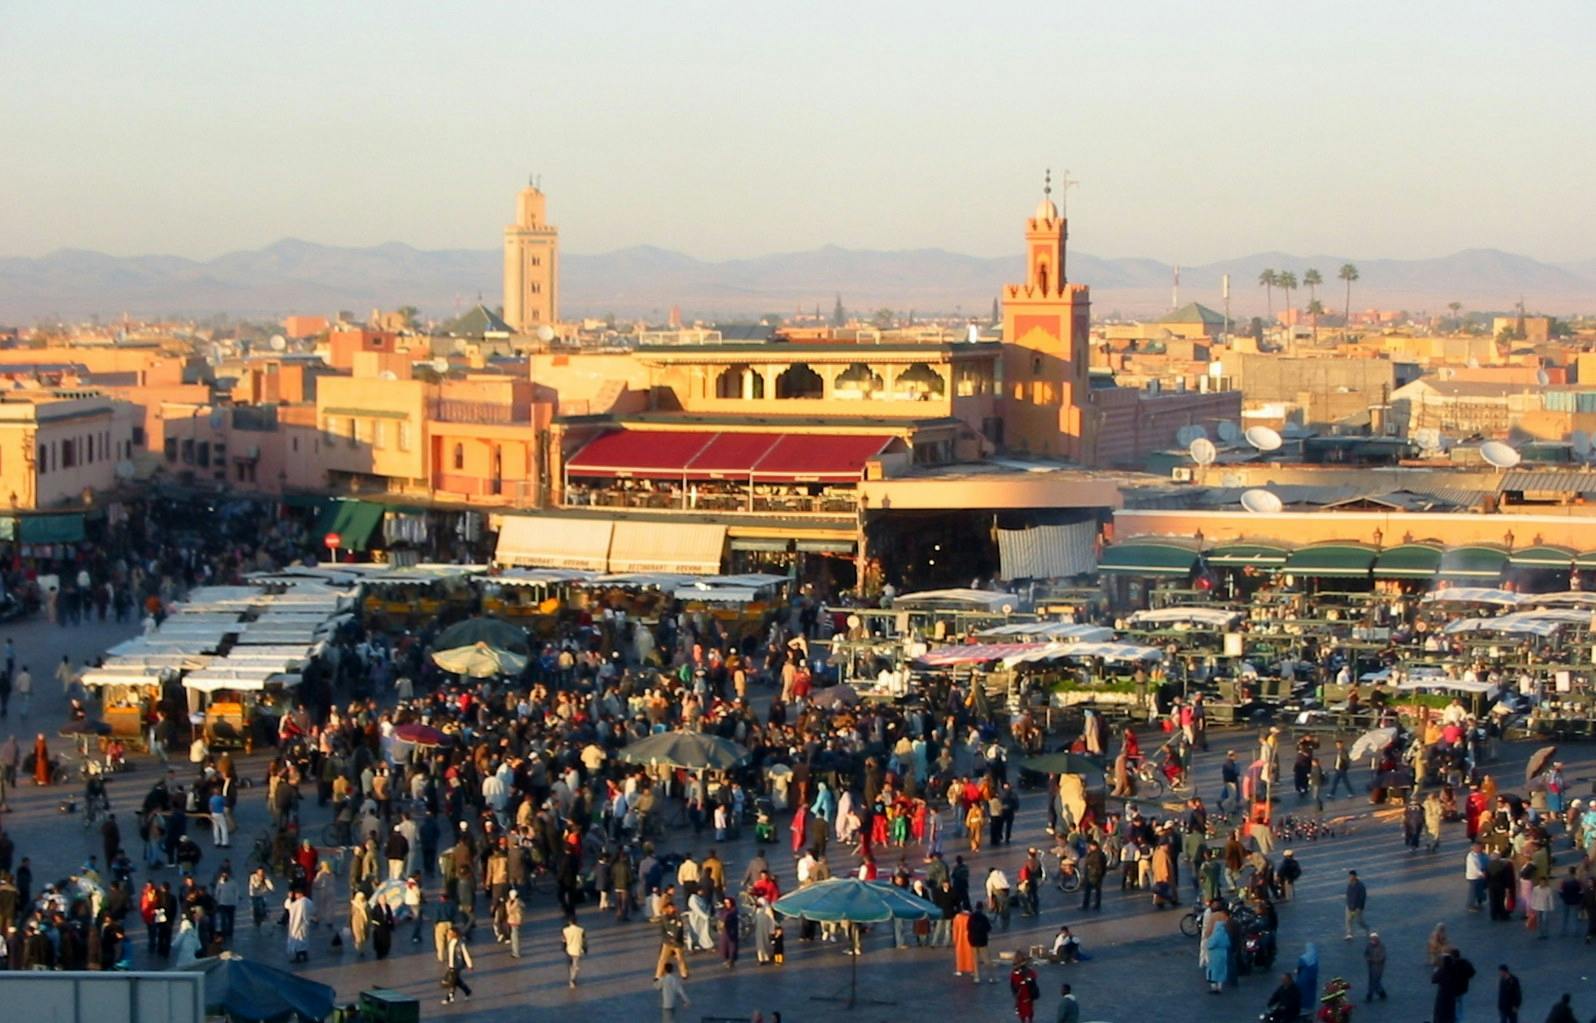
point(1180, 474)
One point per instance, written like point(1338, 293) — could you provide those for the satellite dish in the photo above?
point(1186, 434)
point(1428, 438)
point(1499, 455)
point(545, 333)
point(1202, 451)
point(1232, 479)
point(217, 419)
point(440, 364)
point(460, 347)
point(1581, 443)
point(1263, 438)
point(387, 374)
point(1228, 431)
point(124, 470)
point(279, 343)
point(1542, 377)
point(1261, 502)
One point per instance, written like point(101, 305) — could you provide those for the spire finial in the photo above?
point(1047, 182)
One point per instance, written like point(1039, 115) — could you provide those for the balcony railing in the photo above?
point(491, 413)
point(834, 505)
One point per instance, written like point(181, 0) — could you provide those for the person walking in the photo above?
point(456, 960)
point(1069, 1010)
point(672, 941)
point(1563, 1011)
point(1374, 959)
point(573, 941)
point(979, 932)
point(301, 911)
point(729, 938)
point(1024, 988)
point(1094, 866)
point(1509, 995)
point(514, 916)
point(672, 993)
point(24, 690)
point(1474, 872)
point(1340, 765)
point(1357, 901)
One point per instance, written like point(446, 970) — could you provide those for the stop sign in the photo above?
point(332, 540)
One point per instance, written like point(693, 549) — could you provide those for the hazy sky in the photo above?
point(1198, 131)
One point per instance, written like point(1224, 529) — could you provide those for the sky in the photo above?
point(1197, 131)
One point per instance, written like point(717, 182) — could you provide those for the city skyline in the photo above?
point(718, 134)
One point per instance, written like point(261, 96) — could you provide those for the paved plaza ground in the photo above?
point(1141, 968)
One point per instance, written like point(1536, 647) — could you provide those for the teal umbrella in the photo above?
point(852, 901)
point(246, 991)
point(492, 631)
point(694, 751)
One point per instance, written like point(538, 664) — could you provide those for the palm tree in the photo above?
point(1316, 310)
point(1457, 318)
point(1311, 280)
point(1267, 280)
point(1286, 281)
point(1348, 273)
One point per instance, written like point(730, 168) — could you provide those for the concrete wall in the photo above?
point(1327, 389)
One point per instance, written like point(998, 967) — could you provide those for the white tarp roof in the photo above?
point(1214, 617)
point(1530, 623)
point(535, 577)
point(1579, 598)
point(957, 600)
point(1472, 595)
point(210, 680)
point(156, 644)
point(1055, 632)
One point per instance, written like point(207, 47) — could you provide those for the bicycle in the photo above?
point(1061, 871)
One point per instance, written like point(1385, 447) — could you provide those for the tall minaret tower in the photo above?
point(531, 264)
point(1045, 359)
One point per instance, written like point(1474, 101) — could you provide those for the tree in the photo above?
point(1348, 273)
point(1457, 319)
point(839, 315)
point(1286, 281)
point(1316, 310)
point(883, 318)
point(1267, 279)
point(1311, 279)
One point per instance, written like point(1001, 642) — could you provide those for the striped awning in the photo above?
point(1048, 552)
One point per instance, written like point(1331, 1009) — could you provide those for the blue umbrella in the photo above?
point(852, 901)
point(243, 989)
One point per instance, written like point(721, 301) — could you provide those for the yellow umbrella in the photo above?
point(479, 660)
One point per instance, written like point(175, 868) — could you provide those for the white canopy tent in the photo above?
point(1473, 595)
point(1207, 617)
point(1052, 632)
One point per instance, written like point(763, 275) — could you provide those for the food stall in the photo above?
point(534, 597)
point(740, 604)
point(237, 705)
point(130, 688)
point(403, 597)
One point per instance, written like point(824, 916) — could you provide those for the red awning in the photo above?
point(761, 457)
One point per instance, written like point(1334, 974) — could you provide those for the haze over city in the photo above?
point(1196, 133)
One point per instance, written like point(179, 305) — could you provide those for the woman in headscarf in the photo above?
point(799, 827)
point(41, 760)
point(323, 889)
point(764, 932)
point(359, 922)
point(1308, 971)
point(963, 951)
point(700, 929)
point(186, 949)
point(730, 939)
point(1217, 945)
point(847, 819)
point(382, 924)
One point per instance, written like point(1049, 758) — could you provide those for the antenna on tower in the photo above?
point(1065, 183)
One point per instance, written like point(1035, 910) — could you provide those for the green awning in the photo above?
point(1147, 559)
point(1473, 563)
point(353, 521)
point(50, 528)
point(1331, 560)
point(1550, 556)
point(1586, 561)
point(1240, 555)
point(1408, 561)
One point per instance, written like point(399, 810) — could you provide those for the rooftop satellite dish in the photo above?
point(1542, 377)
point(1581, 443)
point(1228, 431)
point(545, 333)
point(1428, 438)
point(1499, 455)
point(1202, 451)
point(1232, 479)
point(279, 343)
point(217, 419)
point(124, 470)
point(1263, 438)
point(1261, 502)
point(387, 374)
point(440, 365)
point(1186, 434)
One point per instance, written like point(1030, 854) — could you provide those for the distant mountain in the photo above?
point(299, 276)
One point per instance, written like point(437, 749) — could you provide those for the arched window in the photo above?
point(459, 456)
point(739, 380)
point(922, 381)
point(799, 381)
point(857, 380)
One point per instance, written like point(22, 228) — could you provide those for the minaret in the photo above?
point(531, 264)
point(1046, 322)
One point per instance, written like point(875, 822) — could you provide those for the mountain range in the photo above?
point(293, 276)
